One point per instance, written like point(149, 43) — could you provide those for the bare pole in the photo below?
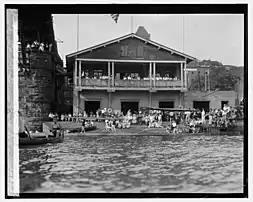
point(77, 33)
point(183, 33)
point(132, 23)
point(77, 48)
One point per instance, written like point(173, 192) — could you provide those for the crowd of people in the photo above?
point(129, 77)
point(31, 47)
point(189, 121)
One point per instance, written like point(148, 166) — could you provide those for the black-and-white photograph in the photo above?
point(128, 103)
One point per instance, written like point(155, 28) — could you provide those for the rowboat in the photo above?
point(41, 138)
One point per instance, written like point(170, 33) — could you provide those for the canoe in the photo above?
point(40, 139)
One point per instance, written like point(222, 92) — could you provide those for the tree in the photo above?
point(221, 77)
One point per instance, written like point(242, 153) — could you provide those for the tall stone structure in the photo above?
point(37, 75)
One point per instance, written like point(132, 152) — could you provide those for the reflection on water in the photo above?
point(134, 164)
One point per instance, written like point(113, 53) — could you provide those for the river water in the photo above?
point(134, 164)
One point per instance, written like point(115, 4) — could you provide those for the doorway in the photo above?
point(133, 106)
point(166, 104)
point(91, 106)
point(223, 103)
point(201, 105)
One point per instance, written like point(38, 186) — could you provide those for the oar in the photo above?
point(28, 133)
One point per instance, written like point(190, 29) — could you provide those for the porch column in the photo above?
point(150, 99)
point(185, 75)
point(76, 98)
point(78, 101)
point(109, 75)
point(150, 74)
point(75, 73)
point(80, 72)
point(180, 99)
point(154, 67)
point(112, 74)
point(109, 100)
point(182, 79)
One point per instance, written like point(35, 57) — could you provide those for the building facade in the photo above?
point(209, 100)
point(129, 72)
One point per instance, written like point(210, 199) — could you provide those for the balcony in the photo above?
point(94, 83)
point(88, 83)
point(132, 84)
point(168, 84)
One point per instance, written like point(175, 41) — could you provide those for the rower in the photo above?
point(56, 127)
point(23, 131)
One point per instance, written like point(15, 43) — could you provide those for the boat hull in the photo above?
point(40, 139)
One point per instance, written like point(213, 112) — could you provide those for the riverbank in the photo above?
point(134, 130)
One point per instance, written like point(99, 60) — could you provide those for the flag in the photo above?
point(115, 17)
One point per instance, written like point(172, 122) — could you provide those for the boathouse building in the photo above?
point(129, 72)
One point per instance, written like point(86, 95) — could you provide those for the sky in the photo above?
point(215, 37)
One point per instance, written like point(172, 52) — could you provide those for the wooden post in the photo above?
point(180, 99)
point(154, 73)
point(182, 80)
point(109, 100)
point(205, 79)
point(109, 75)
point(112, 73)
point(78, 102)
point(150, 74)
point(185, 75)
point(75, 73)
point(150, 99)
point(80, 72)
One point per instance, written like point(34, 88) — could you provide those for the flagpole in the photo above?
point(77, 34)
point(183, 33)
point(132, 23)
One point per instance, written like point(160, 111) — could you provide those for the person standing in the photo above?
point(83, 126)
point(203, 116)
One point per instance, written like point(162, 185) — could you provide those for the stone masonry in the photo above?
point(36, 91)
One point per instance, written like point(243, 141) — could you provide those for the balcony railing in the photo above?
point(103, 83)
point(168, 84)
point(95, 82)
point(132, 83)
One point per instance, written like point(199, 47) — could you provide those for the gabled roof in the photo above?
point(172, 51)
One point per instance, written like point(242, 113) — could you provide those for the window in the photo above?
point(140, 51)
point(124, 51)
point(223, 103)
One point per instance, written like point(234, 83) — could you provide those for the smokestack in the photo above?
point(142, 32)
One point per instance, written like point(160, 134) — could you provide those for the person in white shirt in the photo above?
point(203, 116)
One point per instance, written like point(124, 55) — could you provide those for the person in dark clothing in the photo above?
point(56, 127)
point(83, 126)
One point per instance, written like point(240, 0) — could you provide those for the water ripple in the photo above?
point(134, 164)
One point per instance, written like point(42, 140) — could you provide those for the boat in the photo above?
point(41, 138)
point(90, 128)
point(78, 130)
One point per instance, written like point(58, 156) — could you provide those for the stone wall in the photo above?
point(36, 91)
